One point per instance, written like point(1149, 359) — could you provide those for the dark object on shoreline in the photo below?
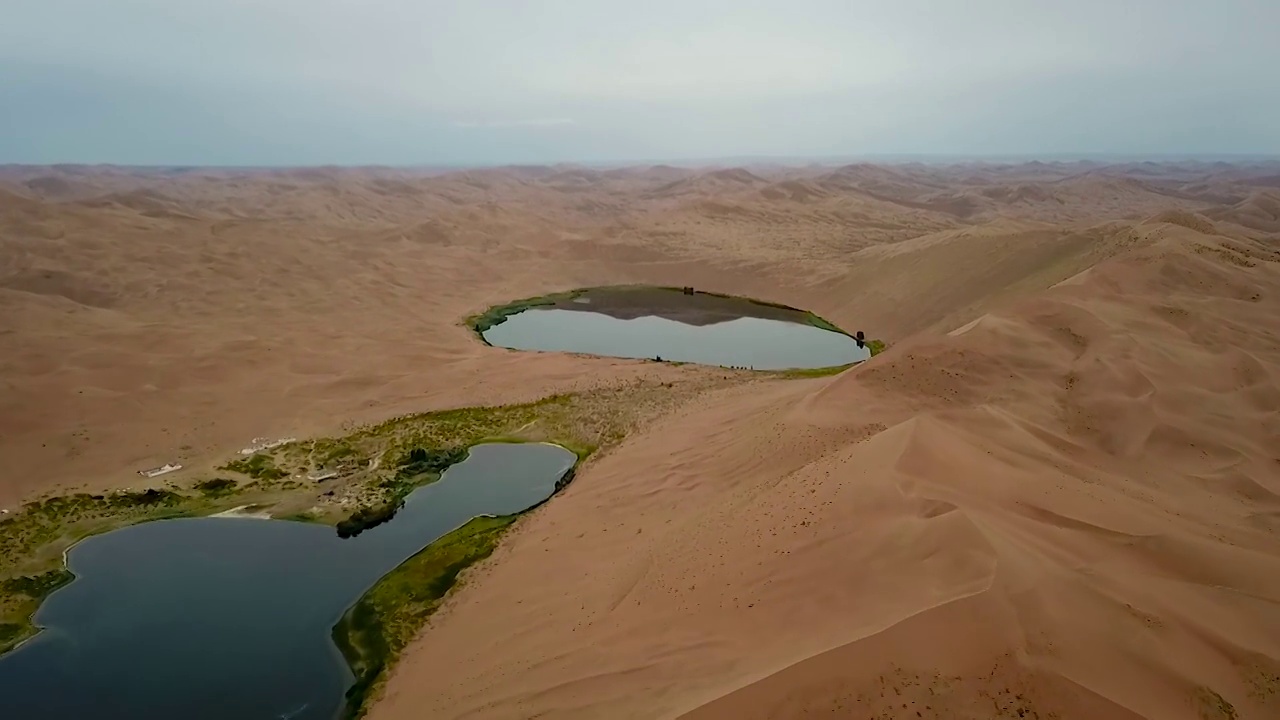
point(860, 338)
point(687, 290)
point(566, 478)
point(216, 486)
point(366, 518)
point(434, 460)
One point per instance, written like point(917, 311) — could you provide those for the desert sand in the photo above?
point(1056, 494)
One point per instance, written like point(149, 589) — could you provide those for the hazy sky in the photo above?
point(270, 82)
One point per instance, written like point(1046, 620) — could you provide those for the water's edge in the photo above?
point(348, 634)
point(497, 314)
point(348, 709)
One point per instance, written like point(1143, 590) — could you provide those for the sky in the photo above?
point(479, 82)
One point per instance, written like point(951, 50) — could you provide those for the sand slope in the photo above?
point(1056, 495)
point(1069, 509)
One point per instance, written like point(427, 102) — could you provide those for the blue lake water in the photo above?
point(749, 342)
point(230, 618)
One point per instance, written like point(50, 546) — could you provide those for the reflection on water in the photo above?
point(746, 342)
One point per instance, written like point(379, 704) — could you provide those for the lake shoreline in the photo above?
point(676, 325)
point(352, 640)
point(626, 302)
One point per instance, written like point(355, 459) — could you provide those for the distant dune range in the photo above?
point(1056, 494)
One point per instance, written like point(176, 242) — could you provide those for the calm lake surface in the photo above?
point(222, 618)
point(748, 342)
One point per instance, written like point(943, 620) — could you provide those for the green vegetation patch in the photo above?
point(20, 596)
point(877, 347)
point(383, 621)
point(414, 468)
point(815, 372)
point(430, 442)
point(39, 586)
point(822, 323)
point(334, 451)
point(258, 466)
point(420, 461)
point(217, 487)
point(498, 314)
point(366, 518)
point(43, 523)
point(33, 540)
point(416, 449)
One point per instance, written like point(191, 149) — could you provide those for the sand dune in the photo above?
point(1056, 495)
point(1259, 211)
point(1057, 512)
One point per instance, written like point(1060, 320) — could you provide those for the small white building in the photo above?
point(260, 444)
point(163, 469)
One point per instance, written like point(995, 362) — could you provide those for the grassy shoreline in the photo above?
point(377, 627)
point(34, 543)
point(498, 314)
point(386, 617)
point(27, 592)
point(376, 465)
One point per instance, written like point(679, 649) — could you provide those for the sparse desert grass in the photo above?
point(1213, 706)
point(814, 372)
point(259, 466)
point(216, 487)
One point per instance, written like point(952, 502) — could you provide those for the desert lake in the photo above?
point(213, 618)
point(673, 325)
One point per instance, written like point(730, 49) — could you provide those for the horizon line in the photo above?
point(889, 158)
